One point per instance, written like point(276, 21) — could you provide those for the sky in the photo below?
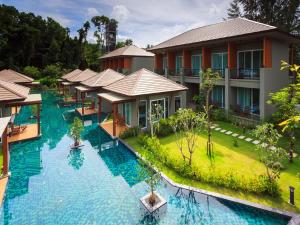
point(143, 21)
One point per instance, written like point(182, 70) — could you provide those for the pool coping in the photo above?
point(293, 216)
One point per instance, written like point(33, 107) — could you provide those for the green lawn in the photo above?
point(242, 159)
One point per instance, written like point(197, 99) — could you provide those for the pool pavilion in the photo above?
point(134, 96)
point(89, 88)
point(15, 96)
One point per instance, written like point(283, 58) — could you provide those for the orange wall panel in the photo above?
point(206, 58)
point(267, 58)
point(121, 63)
point(171, 60)
point(158, 61)
point(187, 61)
point(232, 55)
point(127, 62)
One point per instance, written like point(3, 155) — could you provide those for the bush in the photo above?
point(53, 71)
point(165, 128)
point(32, 71)
point(130, 132)
point(219, 114)
point(49, 82)
point(228, 179)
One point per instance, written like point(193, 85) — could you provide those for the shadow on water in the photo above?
point(76, 158)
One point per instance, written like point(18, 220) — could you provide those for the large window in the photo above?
point(178, 64)
point(153, 107)
point(220, 62)
point(218, 96)
point(143, 114)
point(248, 98)
point(249, 63)
point(165, 65)
point(196, 64)
point(126, 112)
point(177, 102)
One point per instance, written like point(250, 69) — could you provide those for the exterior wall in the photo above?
point(272, 79)
point(142, 62)
point(4, 111)
point(171, 96)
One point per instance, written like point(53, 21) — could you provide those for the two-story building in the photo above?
point(246, 54)
point(127, 60)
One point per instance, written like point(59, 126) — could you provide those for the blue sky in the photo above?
point(144, 21)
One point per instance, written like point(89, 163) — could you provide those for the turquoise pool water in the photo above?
point(50, 184)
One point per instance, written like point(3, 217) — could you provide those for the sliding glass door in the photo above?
point(196, 64)
point(143, 114)
point(250, 62)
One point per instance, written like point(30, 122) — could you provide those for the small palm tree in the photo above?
point(75, 130)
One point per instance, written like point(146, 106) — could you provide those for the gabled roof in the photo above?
point(13, 76)
point(130, 50)
point(144, 82)
point(104, 78)
point(71, 74)
point(225, 29)
point(11, 91)
point(84, 75)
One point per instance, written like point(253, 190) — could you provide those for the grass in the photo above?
point(242, 159)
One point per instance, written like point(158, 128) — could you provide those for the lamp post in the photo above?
point(292, 197)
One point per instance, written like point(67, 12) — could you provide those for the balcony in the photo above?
point(191, 72)
point(221, 72)
point(249, 74)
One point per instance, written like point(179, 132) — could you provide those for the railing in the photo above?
point(191, 72)
point(248, 112)
point(221, 72)
point(253, 74)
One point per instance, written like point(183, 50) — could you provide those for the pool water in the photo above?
point(98, 184)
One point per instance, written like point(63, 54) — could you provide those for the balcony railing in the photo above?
point(253, 74)
point(191, 72)
point(248, 112)
point(221, 72)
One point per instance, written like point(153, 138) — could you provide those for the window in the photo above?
point(165, 65)
point(250, 62)
point(220, 62)
point(178, 63)
point(167, 106)
point(177, 102)
point(153, 105)
point(143, 113)
point(126, 112)
point(248, 98)
point(196, 64)
point(218, 94)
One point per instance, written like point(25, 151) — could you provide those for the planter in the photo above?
point(73, 146)
point(159, 202)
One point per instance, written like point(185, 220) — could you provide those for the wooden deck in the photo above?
point(69, 100)
point(87, 111)
point(30, 132)
point(3, 183)
point(108, 127)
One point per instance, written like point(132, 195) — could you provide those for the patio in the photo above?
point(87, 111)
point(108, 127)
point(30, 132)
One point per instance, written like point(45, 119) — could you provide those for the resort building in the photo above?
point(13, 96)
point(15, 77)
point(134, 96)
point(247, 55)
point(73, 79)
point(127, 60)
point(88, 89)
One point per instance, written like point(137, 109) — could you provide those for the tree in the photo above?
point(151, 177)
point(234, 10)
point(282, 14)
point(100, 22)
point(285, 101)
point(155, 115)
point(186, 124)
point(209, 80)
point(121, 44)
point(53, 71)
point(31, 71)
point(270, 155)
point(75, 130)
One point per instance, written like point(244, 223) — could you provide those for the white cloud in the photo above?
point(120, 13)
point(92, 12)
point(64, 21)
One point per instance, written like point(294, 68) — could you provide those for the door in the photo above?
point(143, 114)
point(126, 112)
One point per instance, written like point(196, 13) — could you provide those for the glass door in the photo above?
point(196, 64)
point(178, 64)
point(126, 112)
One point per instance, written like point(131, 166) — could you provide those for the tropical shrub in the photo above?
point(49, 82)
point(130, 132)
point(32, 71)
point(165, 128)
point(75, 130)
point(219, 114)
point(53, 71)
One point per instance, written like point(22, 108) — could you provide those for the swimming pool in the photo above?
point(99, 183)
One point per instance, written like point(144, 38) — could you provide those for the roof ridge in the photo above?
point(137, 80)
point(11, 90)
point(253, 21)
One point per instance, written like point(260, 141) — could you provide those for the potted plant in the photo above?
point(75, 131)
point(152, 201)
